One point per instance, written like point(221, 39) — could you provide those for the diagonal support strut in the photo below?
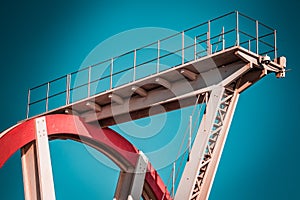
point(199, 172)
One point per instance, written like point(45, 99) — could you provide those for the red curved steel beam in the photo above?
point(110, 143)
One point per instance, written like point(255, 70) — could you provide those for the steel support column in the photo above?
point(36, 165)
point(212, 166)
point(205, 154)
point(130, 184)
point(30, 172)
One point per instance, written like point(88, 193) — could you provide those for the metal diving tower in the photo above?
point(211, 63)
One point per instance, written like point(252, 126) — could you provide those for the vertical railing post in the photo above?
point(195, 48)
point(134, 65)
point(275, 44)
point(68, 88)
point(173, 179)
point(158, 55)
point(182, 47)
point(249, 45)
point(111, 72)
point(47, 96)
point(208, 39)
point(28, 104)
point(223, 38)
point(237, 29)
point(190, 135)
point(257, 36)
point(89, 81)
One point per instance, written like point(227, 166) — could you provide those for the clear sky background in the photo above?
point(40, 41)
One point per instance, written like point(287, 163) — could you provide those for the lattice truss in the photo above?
point(213, 140)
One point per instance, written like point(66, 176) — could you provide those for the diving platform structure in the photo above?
point(211, 63)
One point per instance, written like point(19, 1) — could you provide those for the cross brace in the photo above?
point(199, 172)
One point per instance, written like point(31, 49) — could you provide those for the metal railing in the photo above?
point(218, 34)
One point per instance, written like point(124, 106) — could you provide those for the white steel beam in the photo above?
point(44, 161)
point(130, 184)
point(139, 176)
point(30, 172)
point(214, 162)
point(191, 170)
point(36, 165)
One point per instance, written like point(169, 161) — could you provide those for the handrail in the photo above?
point(208, 43)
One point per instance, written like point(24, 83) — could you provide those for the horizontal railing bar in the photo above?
point(194, 27)
point(80, 70)
point(266, 43)
point(266, 52)
point(247, 41)
point(217, 42)
point(78, 86)
point(203, 34)
point(41, 85)
point(59, 78)
point(268, 34)
point(124, 70)
point(143, 47)
point(37, 101)
point(203, 41)
point(247, 34)
point(163, 39)
point(56, 94)
point(169, 37)
point(85, 84)
point(268, 27)
point(246, 16)
point(198, 52)
point(54, 80)
point(99, 79)
point(124, 54)
point(99, 63)
point(210, 21)
point(225, 15)
point(92, 66)
point(149, 61)
point(173, 52)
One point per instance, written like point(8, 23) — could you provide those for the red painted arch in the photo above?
point(110, 143)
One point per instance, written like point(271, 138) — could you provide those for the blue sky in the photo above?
point(44, 40)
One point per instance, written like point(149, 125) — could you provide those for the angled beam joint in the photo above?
point(116, 98)
point(93, 106)
point(189, 74)
point(140, 91)
point(130, 183)
point(163, 82)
